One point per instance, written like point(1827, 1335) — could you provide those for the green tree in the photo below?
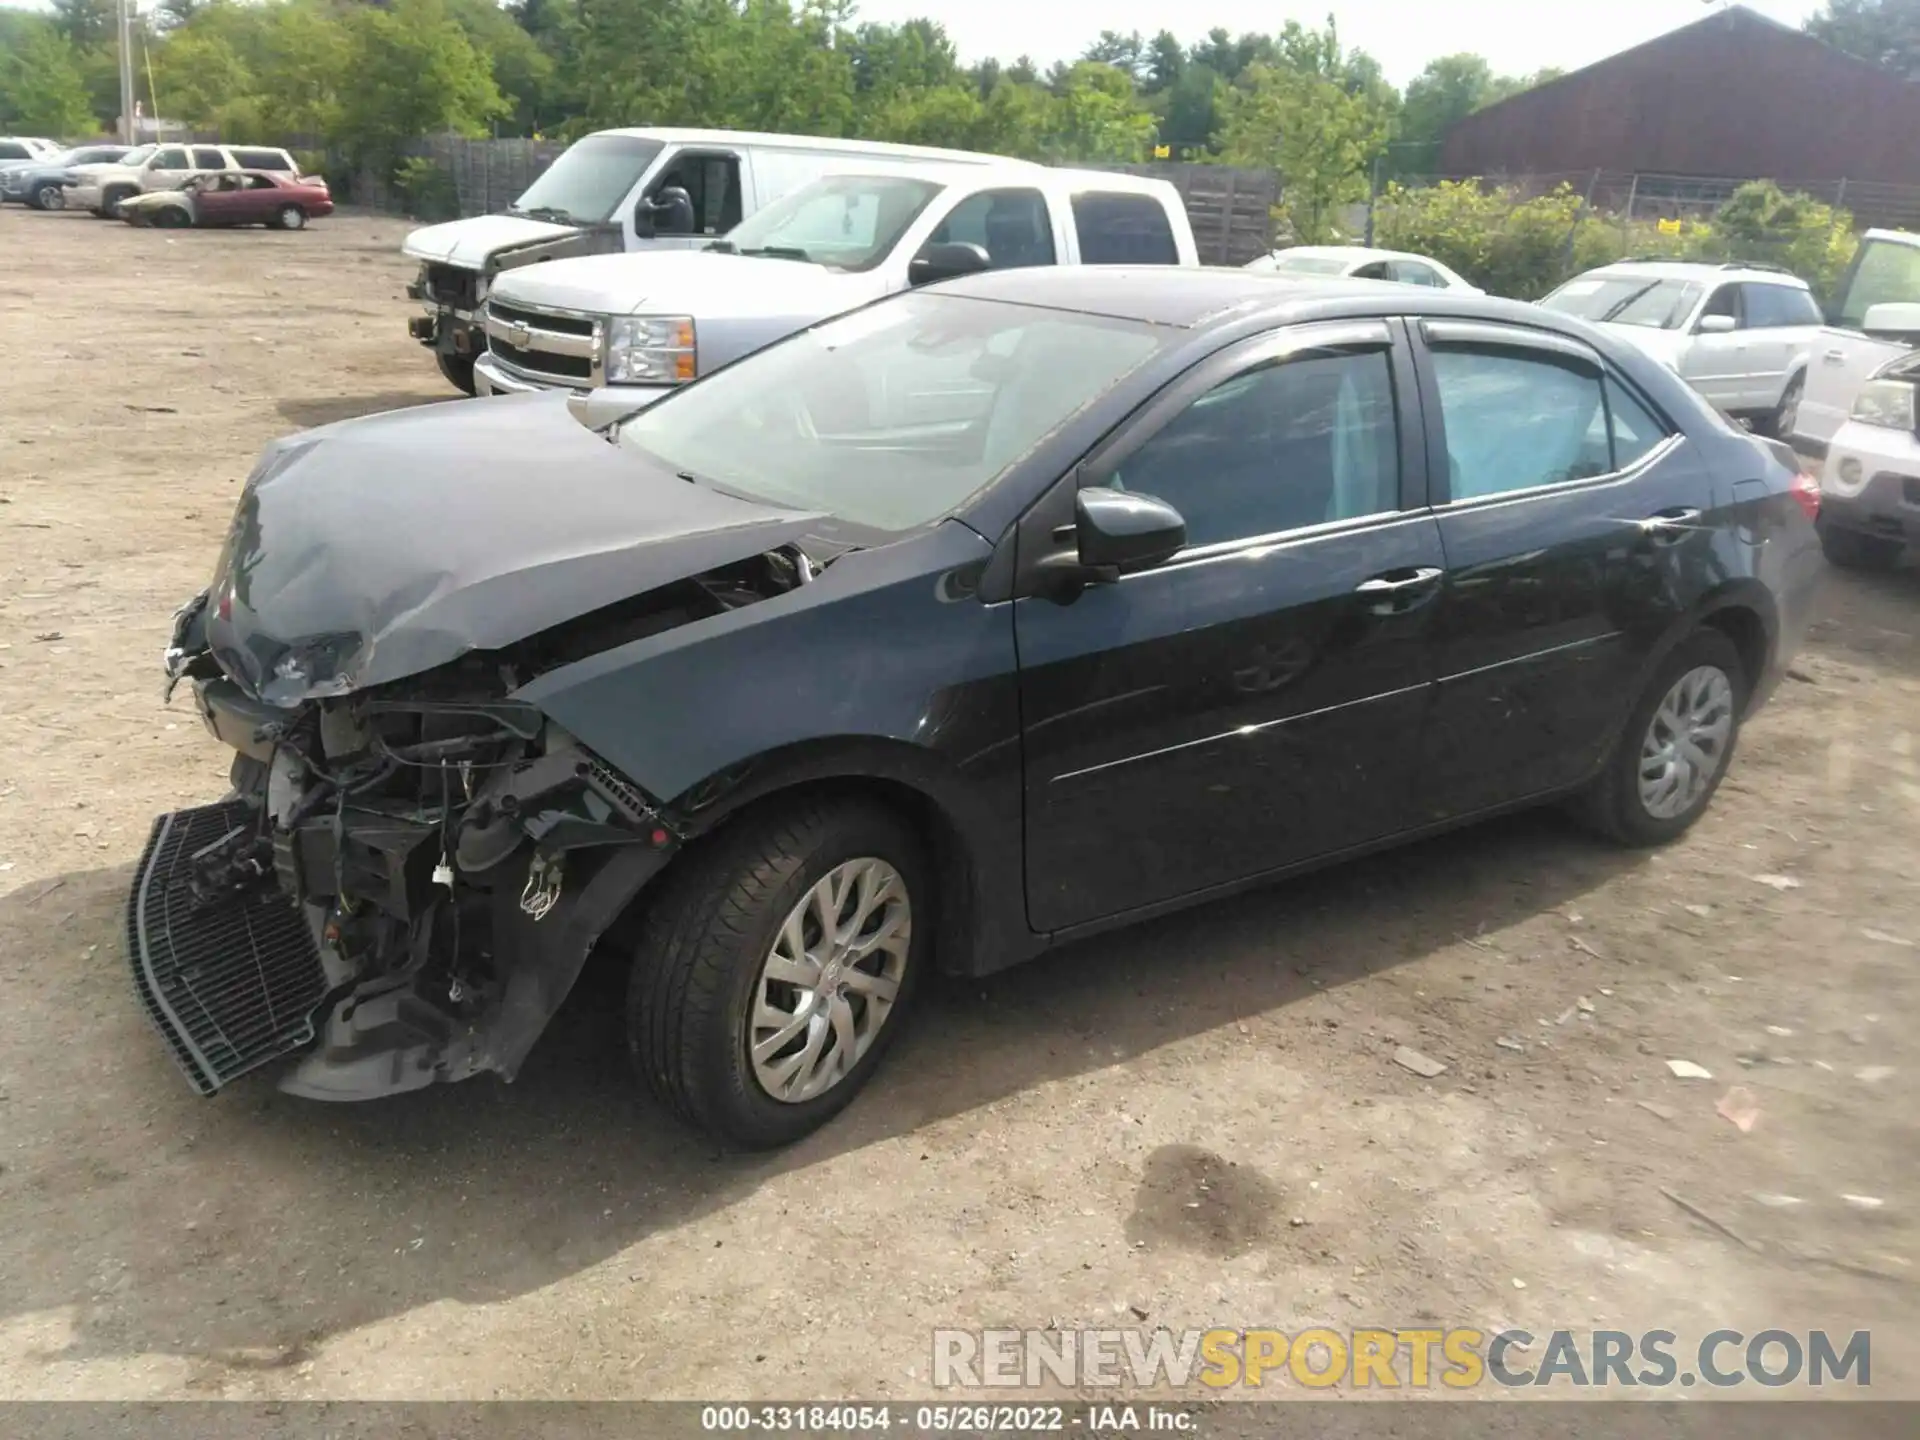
point(1318, 138)
point(1887, 32)
point(411, 71)
point(1096, 116)
point(40, 88)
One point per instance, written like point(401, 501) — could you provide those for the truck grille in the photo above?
point(230, 986)
point(547, 347)
point(450, 285)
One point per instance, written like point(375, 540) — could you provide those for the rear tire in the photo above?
point(110, 201)
point(1649, 793)
point(459, 371)
point(291, 217)
point(717, 1022)
point(1850, 550)
point(49, 197)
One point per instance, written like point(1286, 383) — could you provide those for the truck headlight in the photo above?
point(650, 350)
point(1887, 403)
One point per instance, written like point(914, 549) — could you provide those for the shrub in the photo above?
point(1498, 240)
point(426, 187)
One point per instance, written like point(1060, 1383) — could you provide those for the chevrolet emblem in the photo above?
point(518, 336)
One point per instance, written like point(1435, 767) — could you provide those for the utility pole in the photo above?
point(126, 73)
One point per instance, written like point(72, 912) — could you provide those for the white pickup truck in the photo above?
point(620, 330)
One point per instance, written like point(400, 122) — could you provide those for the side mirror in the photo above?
point(1717, 325)
point(947, 261)
point(643, 218)
point(1896, 318)
point(1120, 532)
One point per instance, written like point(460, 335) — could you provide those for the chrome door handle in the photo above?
point(1384, 585)
point(1835, 357)
point(1670, 525)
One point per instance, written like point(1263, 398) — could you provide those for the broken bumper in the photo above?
point(230, 986)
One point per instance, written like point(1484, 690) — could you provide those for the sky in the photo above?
point(1517, 36)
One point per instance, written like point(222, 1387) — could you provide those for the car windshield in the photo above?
point(1309, 265)
point(1627, 300)
point(1884, 272)
point(847, 222)
point(591, 178)
point(891, 417)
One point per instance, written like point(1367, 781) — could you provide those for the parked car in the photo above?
point(1873, 322)
point(233, 197)
point(1742, 335)
point(1870, 485)
point(1359, 262)
point(25, 148)
point(619, 328)
point(39, 182)
point(620, 191)
point(101, 188)
point(998, 613)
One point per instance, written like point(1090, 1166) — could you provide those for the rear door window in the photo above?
point(1412, 272)
point(207, 158)
point(1771, 307)
point(1520, 418)
point(263, 159)
point(1123, 229)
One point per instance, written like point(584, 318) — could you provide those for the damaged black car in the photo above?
point(985, 617)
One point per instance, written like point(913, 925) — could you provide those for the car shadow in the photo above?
point(249, 1227)
point(325, 411)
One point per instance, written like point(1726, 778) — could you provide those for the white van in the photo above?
point(612, 192)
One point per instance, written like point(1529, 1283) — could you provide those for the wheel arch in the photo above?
point(979, 899)
point(1741, 609)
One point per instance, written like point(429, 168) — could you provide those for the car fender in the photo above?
point(1741, 593)
point(885, 668)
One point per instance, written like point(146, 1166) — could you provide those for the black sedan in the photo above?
point(959, 626)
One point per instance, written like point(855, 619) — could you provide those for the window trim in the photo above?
point(1033, 534)
point(1484, 335)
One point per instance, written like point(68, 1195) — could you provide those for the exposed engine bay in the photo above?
point(407, 879)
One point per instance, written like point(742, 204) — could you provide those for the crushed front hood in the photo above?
point(374, 549)
point(470, 243)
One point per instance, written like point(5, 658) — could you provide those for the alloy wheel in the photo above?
point(829, 982)
point(1686, 743)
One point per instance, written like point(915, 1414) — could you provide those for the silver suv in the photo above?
point(1739, 334)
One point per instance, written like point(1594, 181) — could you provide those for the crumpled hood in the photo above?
point(374, 549)
point(705, 284)
point(469, 243)
point(152, 199)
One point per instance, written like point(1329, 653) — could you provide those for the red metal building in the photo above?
point(1734, 95)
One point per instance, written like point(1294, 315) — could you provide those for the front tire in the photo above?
point(1851, 550)
point(1787, 414)
point(1676, 747)
point(773, 974)
point(110, 201)
point(49, 197)
point(459, 372)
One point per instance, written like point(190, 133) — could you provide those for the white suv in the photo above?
point(1739, 334)
point(101, 188)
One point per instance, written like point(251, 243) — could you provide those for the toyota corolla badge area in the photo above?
point(967, 623)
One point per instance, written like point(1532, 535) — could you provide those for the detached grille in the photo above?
point(451, 285)
point(230, 986)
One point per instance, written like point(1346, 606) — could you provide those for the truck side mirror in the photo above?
point(643, 218)
point(947, 261)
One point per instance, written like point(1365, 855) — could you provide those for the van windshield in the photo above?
point(847, 222)
point(591, 177)
point(1885, 272)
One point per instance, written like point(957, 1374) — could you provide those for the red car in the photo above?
point(234, 197)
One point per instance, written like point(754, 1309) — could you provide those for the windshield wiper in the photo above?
point(779, 252)
point(720, 247)
point(545, 212)
point(1643, 290)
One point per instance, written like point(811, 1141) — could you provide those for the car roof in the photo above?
point(1189, 297)
point(1697, 270)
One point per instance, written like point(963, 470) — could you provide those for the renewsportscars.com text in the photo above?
point(1413, 1358)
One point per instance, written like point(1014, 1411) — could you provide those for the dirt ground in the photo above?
point(1199, 1122)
